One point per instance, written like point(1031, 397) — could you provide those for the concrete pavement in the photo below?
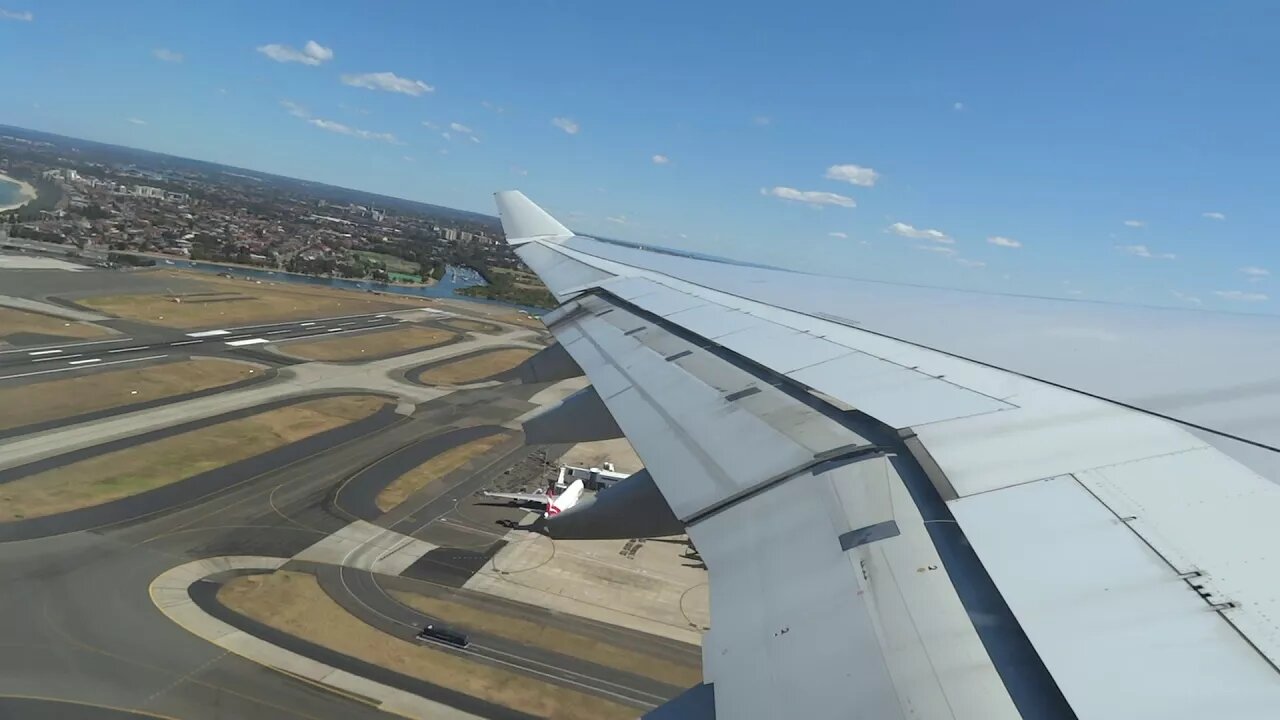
point(296, 380)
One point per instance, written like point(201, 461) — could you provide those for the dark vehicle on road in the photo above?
point(441, 634)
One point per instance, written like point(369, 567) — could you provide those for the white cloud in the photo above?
point(334, 126)
point(661, 160)
point(137, 121)
point(1192, 299)
point(842, 236)
point(475, 139)
point(762, 120)
point(167, 55)
point(491, 107)
point(1143, 251)
point(295, 109)
point(519, 170)
point(904, 230)
point(430, 125)
point(969, 263)
point(387, 82)
point(1135, 223)
point(313, 53)
point(407, 158)
point(566, 125)
point(1003, 241)
point(940, 249)
point(853, 174)
point(619, 219)
point(1254, 273)
point(1240, 295)
point(812, 197)
point(446, 136)
point(315, 50)
point(1213, 216)
point(958, 106)
point(19, 15)
point(460, 128)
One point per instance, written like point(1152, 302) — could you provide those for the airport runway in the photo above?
point(157, 343)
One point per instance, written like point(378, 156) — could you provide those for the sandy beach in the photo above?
point(26, 193)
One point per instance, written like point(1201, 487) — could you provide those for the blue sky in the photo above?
point(1046, 126)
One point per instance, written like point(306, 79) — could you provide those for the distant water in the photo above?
point(443, 289)
point(10, 192)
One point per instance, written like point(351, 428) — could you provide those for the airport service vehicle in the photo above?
point(441, 634)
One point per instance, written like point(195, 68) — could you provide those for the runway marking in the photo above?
point(209, 333)
point(65, 369)
point(85, 362)
point(129, 349)
point(67, 345)
point(341, 330)
point(185, 342)
point(44, 352)
point(236, 337)
point(57, 357)
point(353, 322)
point(277, 332)
point(306, 324)
point(313, 321)
point(250, 341)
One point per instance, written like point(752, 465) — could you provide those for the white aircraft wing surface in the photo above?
point(919, 503)
point(531, 498)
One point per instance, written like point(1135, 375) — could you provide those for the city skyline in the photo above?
point(1094, 154)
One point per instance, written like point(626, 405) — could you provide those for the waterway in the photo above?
point(454, 279)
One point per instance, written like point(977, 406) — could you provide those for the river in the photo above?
point(454, 278)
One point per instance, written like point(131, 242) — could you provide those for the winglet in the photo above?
point(522, 221)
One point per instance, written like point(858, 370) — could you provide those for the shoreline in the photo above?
point(25, 190)
point(261, 268)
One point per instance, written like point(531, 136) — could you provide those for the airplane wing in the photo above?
point(530, 498)
point(925, 503)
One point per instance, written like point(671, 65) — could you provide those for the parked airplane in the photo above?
point(554, 504)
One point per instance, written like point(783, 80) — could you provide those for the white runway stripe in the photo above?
point(57, 357)
point(85, 362)
point(65, 369)
point(45, 352)
point(208, 333)
point(250, 341)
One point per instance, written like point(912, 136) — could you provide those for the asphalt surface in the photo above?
point(358, 493)
point(80, 635)
point(262, 377)
point(205, 595)
point(184, 492)
point(365, 595)
point(411, 374)
point(15, 708)
point(47, 360)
